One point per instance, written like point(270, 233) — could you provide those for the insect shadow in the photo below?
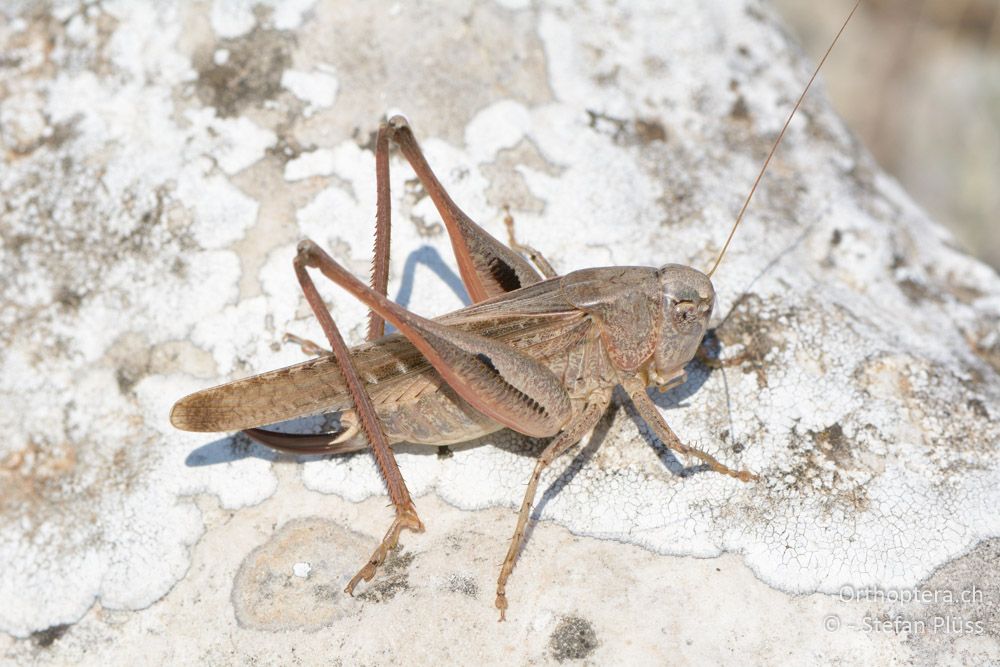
point(698, 375)
point(531, 447)
point(236, 447)
point(229, 449)
point(698, 372)
point(429, 257)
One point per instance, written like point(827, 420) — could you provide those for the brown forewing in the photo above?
point(535, 320)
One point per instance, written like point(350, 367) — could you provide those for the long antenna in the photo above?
point(777, 142)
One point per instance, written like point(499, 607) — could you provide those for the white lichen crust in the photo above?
point(161, 162)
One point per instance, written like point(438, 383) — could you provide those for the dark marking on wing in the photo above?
point(504, 274)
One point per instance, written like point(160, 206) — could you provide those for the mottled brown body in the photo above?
point(413, 402)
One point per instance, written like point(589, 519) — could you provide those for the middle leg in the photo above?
point(537, 258)
point(567, 438)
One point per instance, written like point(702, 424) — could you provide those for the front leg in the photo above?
point(651, 415)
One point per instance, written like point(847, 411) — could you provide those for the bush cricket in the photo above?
point(536, 352)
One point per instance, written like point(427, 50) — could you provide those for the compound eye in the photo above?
point(685, 312)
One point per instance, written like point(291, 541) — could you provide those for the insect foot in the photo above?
point(407, 518)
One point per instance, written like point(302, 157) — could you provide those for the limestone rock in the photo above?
point(161, 162)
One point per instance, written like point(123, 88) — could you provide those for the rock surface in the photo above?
point(160, 163)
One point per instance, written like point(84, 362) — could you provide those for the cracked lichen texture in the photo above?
point(161, 161)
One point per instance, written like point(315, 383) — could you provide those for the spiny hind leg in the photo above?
point(309, 256)
point(537, 258)
point(488, 267)
point(648, 411)
point(567, 438)
point(383, 227)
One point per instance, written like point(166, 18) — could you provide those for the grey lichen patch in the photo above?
point(295, 580)
point(49, 636)
point(508, 186)
point(984, 340)
point(26, 128)
point(978, 408)
point(953, 431)
point(35, 48)
point(740, 111)
point(824, 464)
point(79, 234)
point(954, 611)
point(40, 471)
point(454, 542)
point(962, 291)
point(749, 333)
point(248, 75)
point(134, 357)
point(436, 79)
point(832, 443)
point(463, 584)
point(393, 577)
point(573, 639)
point(683, 198)
point(628, 131)
point(917, 292)
point(648, 130)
